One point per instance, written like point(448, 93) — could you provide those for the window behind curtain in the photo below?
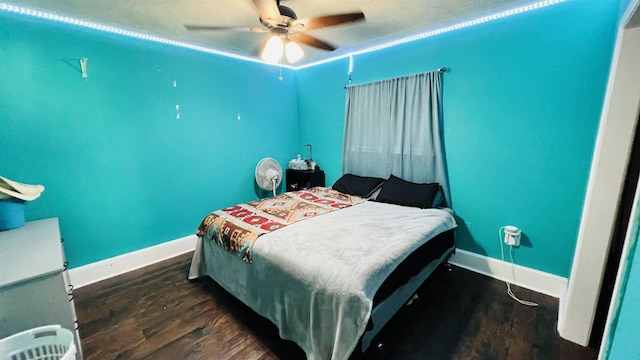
point(395, 127)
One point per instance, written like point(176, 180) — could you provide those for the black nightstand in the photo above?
point(304, 179)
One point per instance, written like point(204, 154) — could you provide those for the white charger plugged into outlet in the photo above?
point(512, 235)
point(512, 238)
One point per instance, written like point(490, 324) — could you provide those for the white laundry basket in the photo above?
point(50, 342)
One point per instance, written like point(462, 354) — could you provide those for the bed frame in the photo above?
point(406, 280)
point(397, 288)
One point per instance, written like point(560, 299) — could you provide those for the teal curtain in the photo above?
point(395, 127)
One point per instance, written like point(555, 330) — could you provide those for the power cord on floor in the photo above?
point(513, 272)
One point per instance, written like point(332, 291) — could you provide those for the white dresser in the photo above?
point(34, 283)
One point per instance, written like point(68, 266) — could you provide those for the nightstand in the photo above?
point(304, 179)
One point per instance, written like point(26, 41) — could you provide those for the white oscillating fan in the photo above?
point(268, 174)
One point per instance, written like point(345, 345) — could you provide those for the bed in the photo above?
point(329, 282)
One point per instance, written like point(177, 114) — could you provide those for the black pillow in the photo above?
point(362, 186)
point(406, 193)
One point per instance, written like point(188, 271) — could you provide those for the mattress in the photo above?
point(316, 279)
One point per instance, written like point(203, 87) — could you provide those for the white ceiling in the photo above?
point(385, 20)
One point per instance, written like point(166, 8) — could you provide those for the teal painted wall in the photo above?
point(522, 103)
point(624, 343)
point(321, 101)
point(121, 172)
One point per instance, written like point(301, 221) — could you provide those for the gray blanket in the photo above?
point(316, 279)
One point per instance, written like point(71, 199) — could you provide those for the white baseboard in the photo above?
point(535, 280)
point(104, 269)
point(545, 283)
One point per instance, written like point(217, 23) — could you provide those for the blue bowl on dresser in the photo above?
point(11, 214)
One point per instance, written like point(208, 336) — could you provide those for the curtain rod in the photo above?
point(442, 69)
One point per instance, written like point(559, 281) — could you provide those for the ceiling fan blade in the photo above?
point(311, 41)
point(325, 21)
point(232, 28)
point(267, 9)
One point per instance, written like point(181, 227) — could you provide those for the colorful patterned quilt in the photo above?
point(237, 228)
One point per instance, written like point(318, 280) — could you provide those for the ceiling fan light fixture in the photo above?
point(273, 50)
point(293, 52)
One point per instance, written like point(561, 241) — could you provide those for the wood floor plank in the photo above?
point(156, 313)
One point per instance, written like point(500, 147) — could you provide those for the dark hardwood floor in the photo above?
point(156, 313)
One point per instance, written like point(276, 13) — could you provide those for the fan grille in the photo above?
point(268, 174)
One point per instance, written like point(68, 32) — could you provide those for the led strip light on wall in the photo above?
point(465, 24)
point(484, 19)
point(133, 34)
point(115, 30)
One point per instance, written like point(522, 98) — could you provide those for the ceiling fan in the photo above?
point(287, 30)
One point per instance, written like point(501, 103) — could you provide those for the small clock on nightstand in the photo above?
point(304, 179)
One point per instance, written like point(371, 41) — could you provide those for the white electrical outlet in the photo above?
point(512, 235)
